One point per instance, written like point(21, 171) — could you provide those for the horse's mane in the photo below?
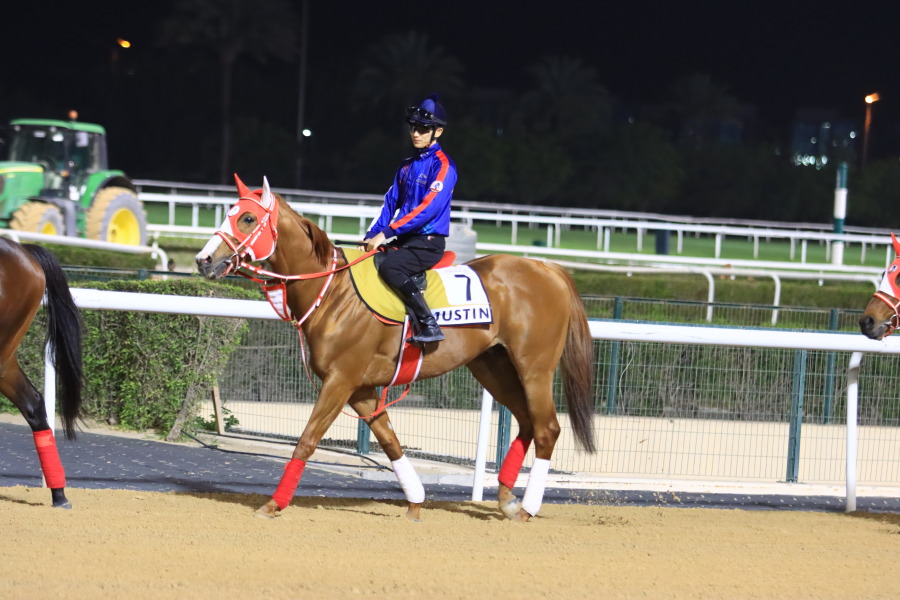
point(322, 248)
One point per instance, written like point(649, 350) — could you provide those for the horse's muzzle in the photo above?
point(213, 269)
point(873, 330)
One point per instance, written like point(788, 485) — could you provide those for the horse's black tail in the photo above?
point(64, 333)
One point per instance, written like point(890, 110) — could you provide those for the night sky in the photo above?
point(778, 56)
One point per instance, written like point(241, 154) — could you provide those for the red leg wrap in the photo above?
point(288, 484)
point(53, 470)
point(512, 464)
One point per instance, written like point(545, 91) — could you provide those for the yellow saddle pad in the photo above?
point(455, 294)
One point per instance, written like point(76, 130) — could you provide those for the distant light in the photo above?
point(306, 132)
point(872, 98)
point(852, 135)
point(127, 44)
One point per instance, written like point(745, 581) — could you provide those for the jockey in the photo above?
point(416, 213)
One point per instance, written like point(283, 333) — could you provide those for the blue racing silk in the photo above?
point(418, 202)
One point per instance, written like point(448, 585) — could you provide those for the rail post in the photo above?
point(504, 424)
point(829, 371)
point(612, 380)
point(797, 387)
point(840, 213)
point(852, 432)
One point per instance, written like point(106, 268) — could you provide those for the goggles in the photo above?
point(416, 115)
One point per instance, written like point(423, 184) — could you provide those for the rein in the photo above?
point(244, 265)
point(894, 305)
point(274, 286)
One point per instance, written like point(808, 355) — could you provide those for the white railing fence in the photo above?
point(626, 438)
point(61, 240)
point(326, 206)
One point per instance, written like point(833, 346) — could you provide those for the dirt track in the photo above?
point(125, 544)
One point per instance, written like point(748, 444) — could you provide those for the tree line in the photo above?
point(219, 91)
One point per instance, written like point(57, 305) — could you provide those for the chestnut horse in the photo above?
point(26, 272)
point(538, 321)
point(881, 315)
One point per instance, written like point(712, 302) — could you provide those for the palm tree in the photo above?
point(231, 29)
point(567, 100)
point(701, 108)
point(401, 68)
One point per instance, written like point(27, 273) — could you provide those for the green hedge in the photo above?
point(91, 257)
point(141, 367)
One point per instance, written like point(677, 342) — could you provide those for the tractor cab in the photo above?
point(66, 152)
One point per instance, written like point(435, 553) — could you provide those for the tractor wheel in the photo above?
point(117, 216)
point(38, 217)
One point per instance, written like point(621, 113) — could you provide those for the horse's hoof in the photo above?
point(412, 513)
point(267, 510)
point(522, 516)
point(511, 508)
point(66, 505)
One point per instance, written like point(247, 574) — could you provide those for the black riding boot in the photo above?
point(426, 327)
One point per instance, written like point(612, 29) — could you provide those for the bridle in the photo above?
point(894, 305)
point(259, 244)
point(889, 284)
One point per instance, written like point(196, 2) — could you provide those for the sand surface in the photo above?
point(137, 545)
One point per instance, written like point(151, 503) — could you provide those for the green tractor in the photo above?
point(57, 182)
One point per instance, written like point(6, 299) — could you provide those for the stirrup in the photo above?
point(426, 334)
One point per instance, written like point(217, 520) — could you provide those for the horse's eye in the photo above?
point(249, 219)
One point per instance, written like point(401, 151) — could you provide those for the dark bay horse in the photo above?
point(26, 272)
point(882, 314)
point(538, 323)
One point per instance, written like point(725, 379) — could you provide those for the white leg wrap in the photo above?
point(409, 480)
point(537, 482)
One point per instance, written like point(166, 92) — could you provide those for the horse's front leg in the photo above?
point(332, 397)
point(365, 403)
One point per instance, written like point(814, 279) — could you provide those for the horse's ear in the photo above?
point(267, 200)
point(243, 190)
point(896, 244)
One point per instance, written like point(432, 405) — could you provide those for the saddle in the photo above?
point(454, 293)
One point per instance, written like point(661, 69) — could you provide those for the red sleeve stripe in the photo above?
point(445, 165)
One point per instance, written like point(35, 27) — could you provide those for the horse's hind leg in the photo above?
point(497, 374)
point(365, 403)
point(16, 386)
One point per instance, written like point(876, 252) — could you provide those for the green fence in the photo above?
point(662, 410)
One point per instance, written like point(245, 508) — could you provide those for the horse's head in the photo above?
point(881, 315)
point(248, 232)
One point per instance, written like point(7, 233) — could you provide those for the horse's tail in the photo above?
point(578, 369)
point(64, 332)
